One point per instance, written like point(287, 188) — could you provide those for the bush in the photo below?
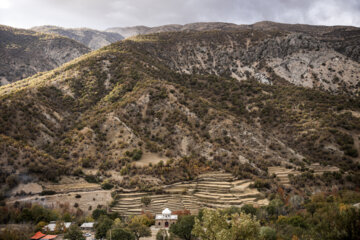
point(107, 185)
point(47, 192)
point(91, 179)
point(146, 201)
point(267, 233)
point(162, 235)
point(135, 155)
point(98, 212)
point(12, 181)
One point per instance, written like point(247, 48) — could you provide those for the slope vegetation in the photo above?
point(205, 100)
point(25, 53)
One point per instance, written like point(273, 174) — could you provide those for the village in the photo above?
point(162, 221)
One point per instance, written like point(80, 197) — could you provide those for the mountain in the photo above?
point(344, 39)
point(169, 106)
point(203, 26)
point(94, 39)
point(24, 53)
point(129, 31)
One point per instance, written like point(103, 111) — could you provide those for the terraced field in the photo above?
point(282, 173)
point(212, 190)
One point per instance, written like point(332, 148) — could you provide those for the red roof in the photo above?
point(38, 235)
point(49, 237)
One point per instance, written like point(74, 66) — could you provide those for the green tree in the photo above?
point(103, 225)
point(74, 233)
point(183, 227)
point(244, 227)
point(146, 201)
point(249, 209)
point(267, 233)
point(98, 212)
point(119, 233)
point(162, 235)
point(212, 226)
point(139, 230)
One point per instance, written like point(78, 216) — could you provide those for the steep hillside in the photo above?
point(24, 53)
point(94, 39)
point(163, 108)
point(344, 39)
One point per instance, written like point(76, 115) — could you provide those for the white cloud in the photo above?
point(4, 4)
point(102, 14)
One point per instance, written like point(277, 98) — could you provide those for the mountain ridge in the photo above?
point(25, 52)
point(91, 38)
point(99, 111)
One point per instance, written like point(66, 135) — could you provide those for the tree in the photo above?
point(74, 233)
point(59, 227)
point(244, 227)
point(267, 233)
point(142, 219)
point(98, 212)
point(249, 209)
point(104, 224)
point(146, 201)
point(184, 227)
point(139, 230)
point(162, 235)
point(119, 233)
point(212, 226)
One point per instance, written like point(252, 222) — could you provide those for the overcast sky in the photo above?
point(102, 14)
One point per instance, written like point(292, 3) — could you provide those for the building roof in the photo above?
point(51, 227)
point(166, 211)
point(49, 237)
point(87, 225)
point(37, 235)
point(164, 217)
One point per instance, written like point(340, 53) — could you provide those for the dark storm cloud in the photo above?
point(102, 14)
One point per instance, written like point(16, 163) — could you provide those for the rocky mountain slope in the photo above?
point(344, 39)
point(94, 39)
point(237, 100)
point(24, 53)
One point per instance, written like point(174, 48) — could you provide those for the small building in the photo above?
point(165, 219)
point(87, 226)
point(37, 236)
point(50, 237)
point(52, 226)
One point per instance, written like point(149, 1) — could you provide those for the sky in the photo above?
point(102, 14)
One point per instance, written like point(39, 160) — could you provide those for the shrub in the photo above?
point(146, 201)
point(47, 192)
point(107, 185)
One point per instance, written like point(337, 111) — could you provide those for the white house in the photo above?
point(165, 219)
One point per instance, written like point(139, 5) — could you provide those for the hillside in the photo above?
point(91, 38)
point(344, 39)
point(24, 53)
point(162, 108)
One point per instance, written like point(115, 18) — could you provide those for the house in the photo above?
point(52, 226)
point(87, 226)
point(49, 237)
point(41, 236)
point(37, 236)
point(165, 219)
